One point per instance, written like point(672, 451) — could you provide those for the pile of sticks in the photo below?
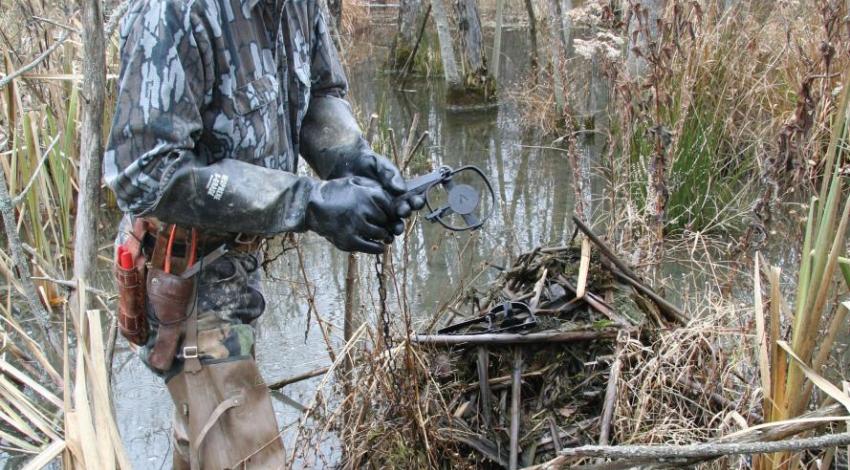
point(519, 397)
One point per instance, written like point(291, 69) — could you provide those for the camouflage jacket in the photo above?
point(207, 80)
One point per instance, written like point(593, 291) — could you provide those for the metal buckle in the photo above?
point(190, 352)
point(242, 240)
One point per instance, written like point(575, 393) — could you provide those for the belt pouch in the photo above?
point(132, 319)
point(170, 296)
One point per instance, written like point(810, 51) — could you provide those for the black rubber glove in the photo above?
point(369, 164)
point(353, 213)
point(333, 145)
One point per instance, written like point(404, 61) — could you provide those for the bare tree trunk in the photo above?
point(447, 53)
point(476, 77)
point(91, 145)
point(558, 55)
point(532, 33)
point(497, 40)
point(410, 14)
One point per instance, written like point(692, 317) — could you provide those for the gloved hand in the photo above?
point(353, 213)
point(380, 169)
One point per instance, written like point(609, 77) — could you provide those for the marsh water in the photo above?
point(534, 199)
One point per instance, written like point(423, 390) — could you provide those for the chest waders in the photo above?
point(223, 415)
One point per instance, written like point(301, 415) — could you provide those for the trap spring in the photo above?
point(453, 198)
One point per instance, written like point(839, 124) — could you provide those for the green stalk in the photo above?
point(815, 275)
point(28, 164)
point(60, 178)
point(839, 128)
point(69, 147)
point(805, 265)
point(803, 321)
point(808, 342)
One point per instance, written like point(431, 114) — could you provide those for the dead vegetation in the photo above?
point(738, 95)
point(596, 362)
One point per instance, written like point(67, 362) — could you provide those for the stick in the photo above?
point(23, 272)
point(669, 310)
point(413, 150)
point(111, 339)
point(553, 431)
point(484, 384)
point(610, 401)
point(583, 269)
point(708, 450)
point(73, 286)
point(350, 299)
point(298, 378)
point(311, 305)
point(513, 338)
point(408, 142)
point(409, 60)
point(783, 431)
point(516, 391)
point(19, 198)
point(596, 303)
point(26, 68)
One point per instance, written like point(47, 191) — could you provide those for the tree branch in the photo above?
point(21, 265)
point(707, 450)
point(26, 68)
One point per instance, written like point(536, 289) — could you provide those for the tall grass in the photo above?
point(725, 102)
point(53, 403)
point(788, 382)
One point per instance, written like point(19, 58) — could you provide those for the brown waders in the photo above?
point(202, 341)
point(224, 418)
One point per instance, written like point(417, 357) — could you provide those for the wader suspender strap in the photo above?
point(191, 361)
point(195, 445)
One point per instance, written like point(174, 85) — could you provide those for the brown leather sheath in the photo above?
point(132, 316)
point(170, 297)
point(132, 320)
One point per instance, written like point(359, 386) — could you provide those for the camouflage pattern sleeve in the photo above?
point(328, 77)
point(162, 86)
point(330, 136)
point(189, 122)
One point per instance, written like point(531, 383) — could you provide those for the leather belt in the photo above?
point(207, 242)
